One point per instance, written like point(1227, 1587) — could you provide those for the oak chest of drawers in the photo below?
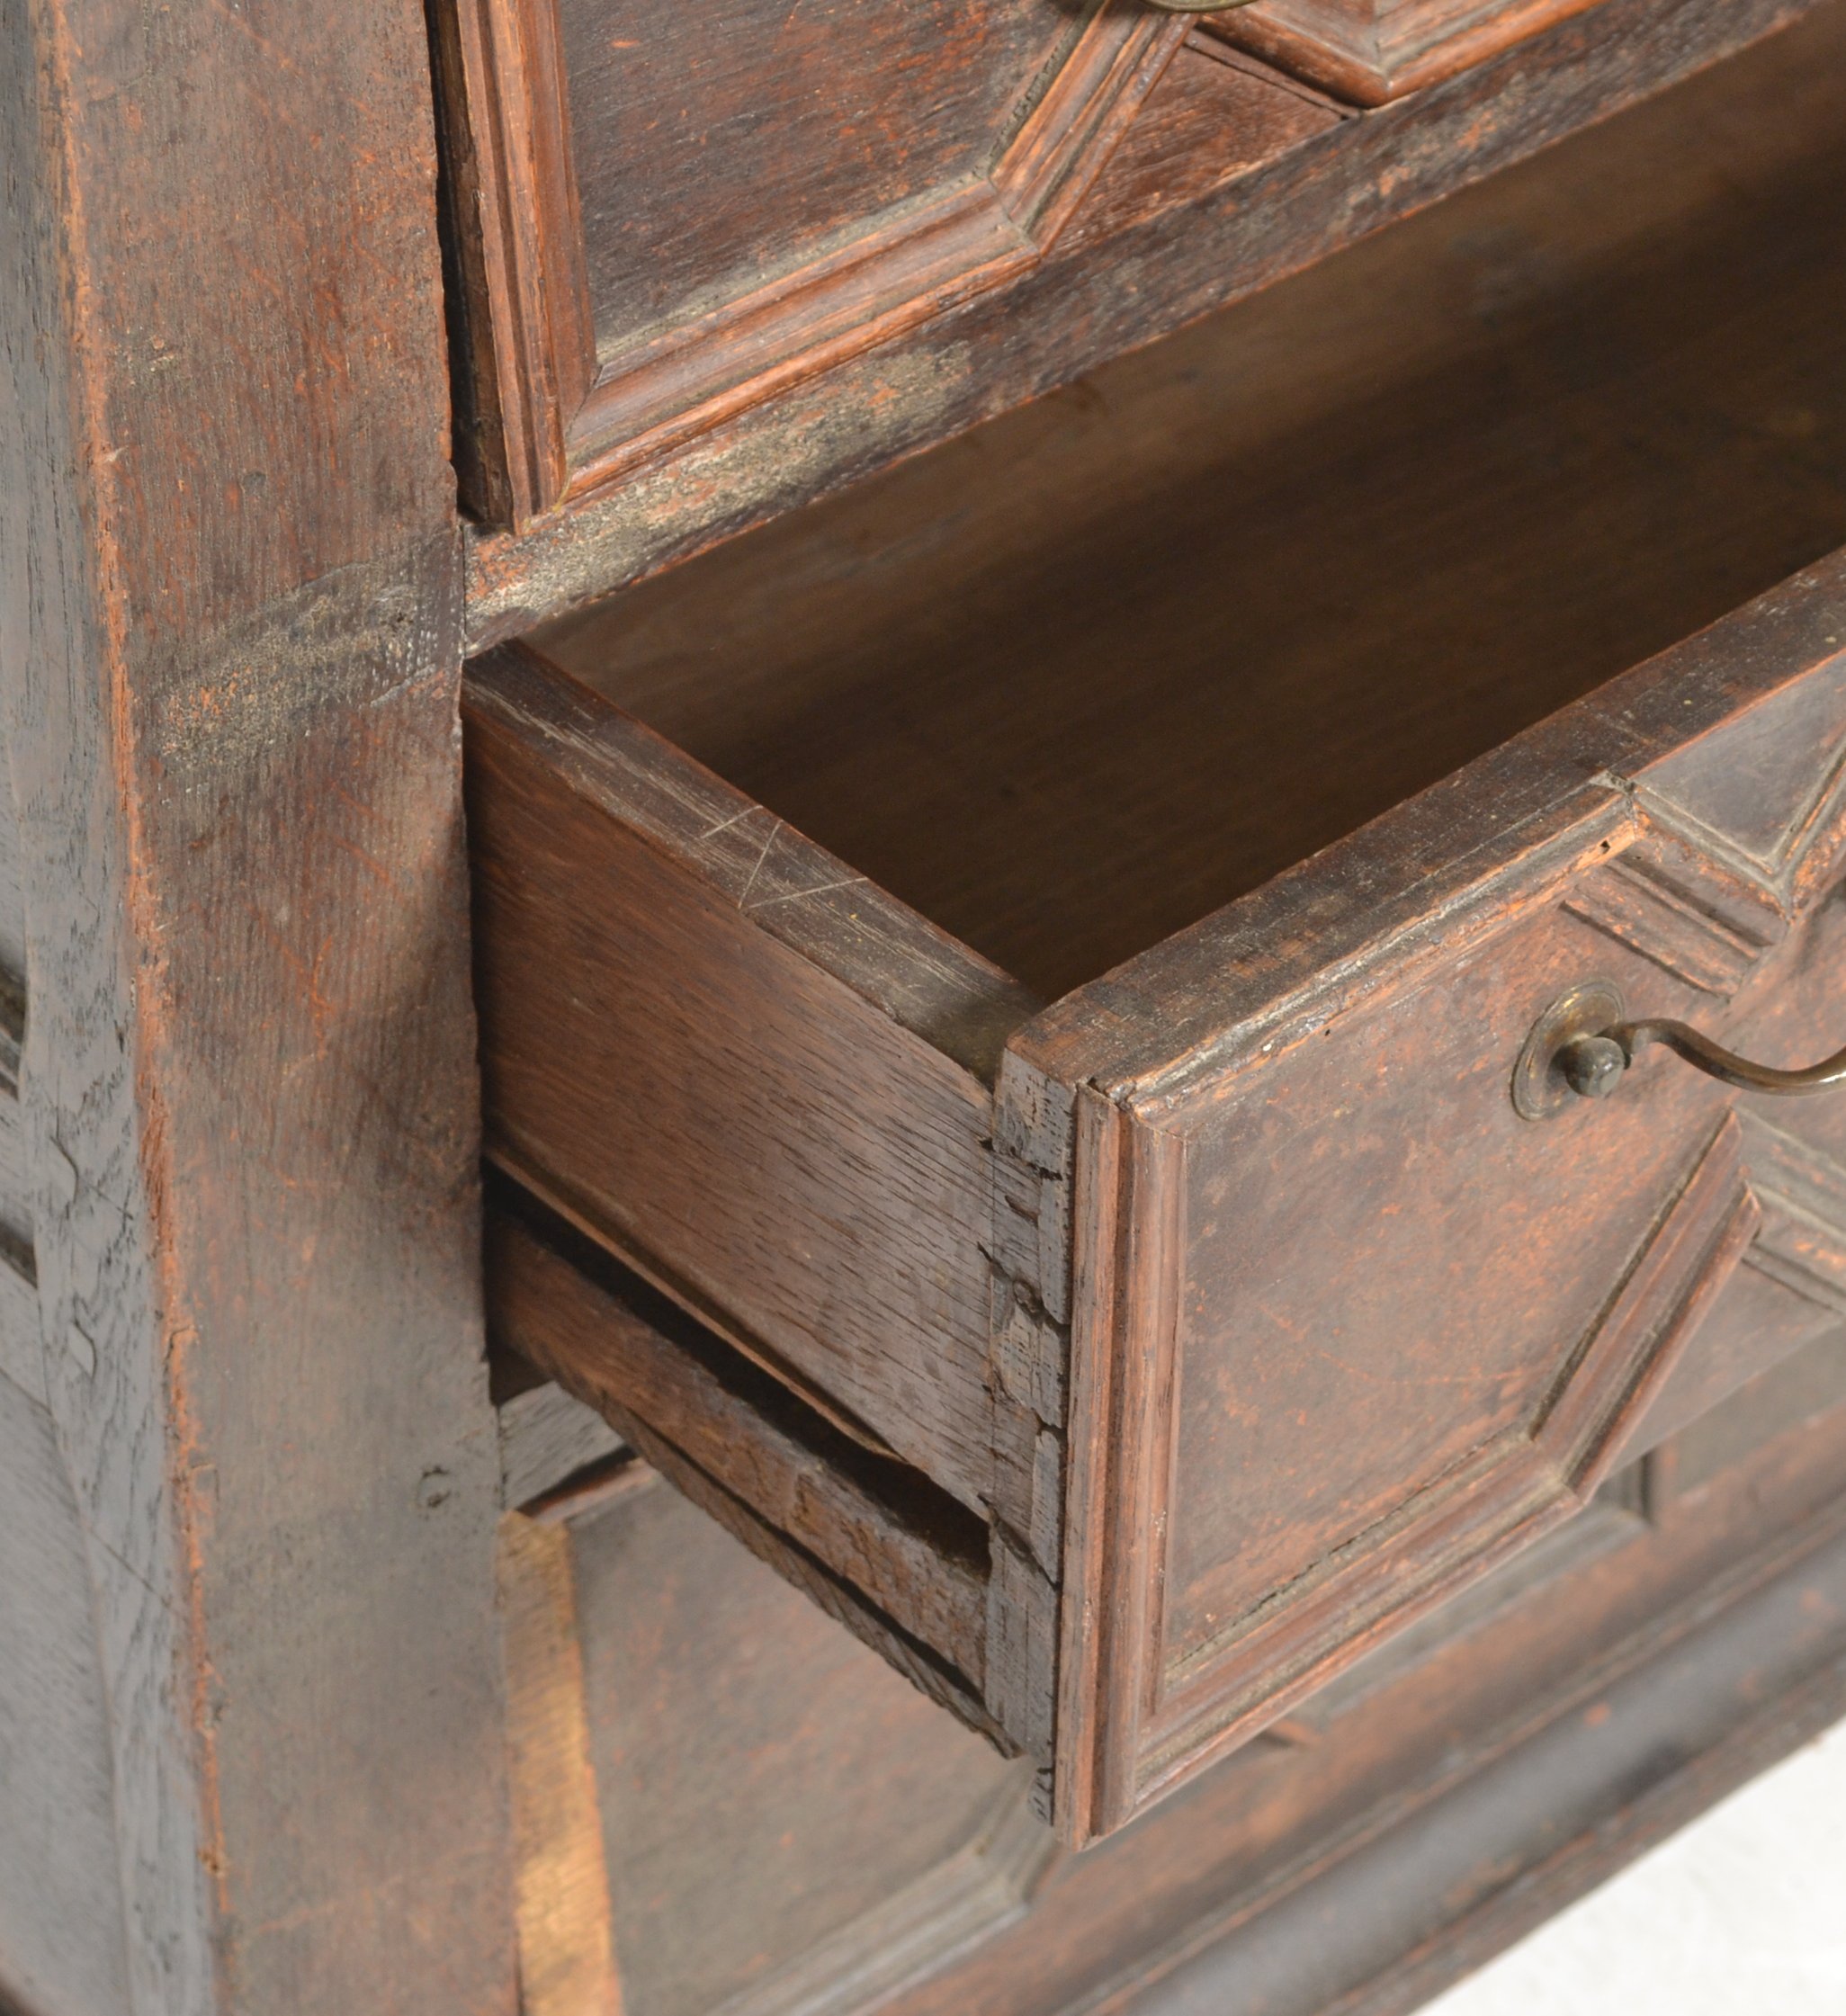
point(1084, 767)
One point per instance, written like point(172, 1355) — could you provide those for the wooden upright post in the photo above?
point(229, 657)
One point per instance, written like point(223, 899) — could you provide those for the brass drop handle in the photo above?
point(1199, 7)
point(1583, 1043)
point(1593, 1065)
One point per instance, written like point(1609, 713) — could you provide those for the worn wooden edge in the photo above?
point(891, 957)
point(616, 1481)
point(1062, 145)
point(1099, 294)
point(1094, 1623)
point(909, 1550)
point(1472, 853)
point(1406, 51)
point(1123, 1374)
point(567, 1953)
point(520, 299)
point(694, 376)
point(474, 333)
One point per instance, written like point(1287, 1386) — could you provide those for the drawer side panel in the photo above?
point(778, 1152)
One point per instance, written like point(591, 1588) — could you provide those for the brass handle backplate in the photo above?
point(1583, 1044)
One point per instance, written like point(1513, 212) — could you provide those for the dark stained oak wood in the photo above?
point(830, 1062)
point(1291, 1326)
point(1397, 1216)
point(1091, 671)
point(1249, 1529)
point(632, 1354)
point(836, 1838)
point(229, 664)
point(786, 1829)
point(348, 1662)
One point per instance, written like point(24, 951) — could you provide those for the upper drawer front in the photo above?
point(713, 263)
point(669, 212)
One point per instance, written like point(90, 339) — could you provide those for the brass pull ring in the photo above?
point(1583, 1044)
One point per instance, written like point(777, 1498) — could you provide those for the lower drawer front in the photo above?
point(1125, 1368)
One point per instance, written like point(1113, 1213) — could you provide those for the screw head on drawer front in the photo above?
point(1592, 1066)
point(1569, 1054)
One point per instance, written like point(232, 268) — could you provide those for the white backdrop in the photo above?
point(1742, 1914)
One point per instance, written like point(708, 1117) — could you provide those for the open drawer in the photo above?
point(1146, 1246)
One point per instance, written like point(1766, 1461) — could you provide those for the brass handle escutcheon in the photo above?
point(1582, 1045)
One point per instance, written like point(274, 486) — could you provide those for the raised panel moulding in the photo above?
point(558, 420)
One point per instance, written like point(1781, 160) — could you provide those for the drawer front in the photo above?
point(1371, 51)
point(1346, 1325)
point(666, 213)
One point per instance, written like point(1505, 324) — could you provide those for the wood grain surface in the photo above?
point(788, 1827)
point(1360, 1128)
point(794, 1045)
point(630, 1353)
point(1072, 682)
point(230, 656)
point(788, 1831)
point(653, 232)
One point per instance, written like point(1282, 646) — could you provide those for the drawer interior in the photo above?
point(1077, 679)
